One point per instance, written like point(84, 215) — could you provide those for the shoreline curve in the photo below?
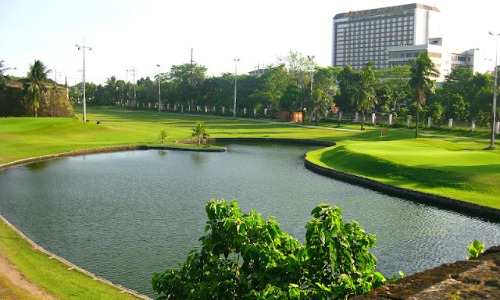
point(456, 205)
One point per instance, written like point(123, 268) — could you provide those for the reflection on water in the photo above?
point(126, 215)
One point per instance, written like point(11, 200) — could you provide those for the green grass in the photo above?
point(441, 162)
point(27, 137)
point(50, 274)
point(451, 166)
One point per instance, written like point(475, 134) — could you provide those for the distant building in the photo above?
point(258, 72)
point(393, 36)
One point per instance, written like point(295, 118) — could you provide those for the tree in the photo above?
point(187, 80)
point(200, 133)
point(2, 69)
point(364, 96)
point(36, 85)
point(422, 82)
point(271, 86)
point(324, 91)
point(244, 256)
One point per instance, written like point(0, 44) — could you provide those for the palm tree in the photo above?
point(35, 84)
point(423, 71)
point(200, 133)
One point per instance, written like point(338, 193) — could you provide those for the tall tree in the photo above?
point(272, 86)
point(422, 81)
point(324, 91)
point(36, 85)
point(364, 91)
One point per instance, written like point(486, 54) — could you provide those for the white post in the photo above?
point(429, 122)
point(408, 121)
point(223, 110)
point(374, 118)
point(473, 125)
point(498, 127)
point(450, 123)
point(265, 111)
point(356, 117)
point(254, 112)
point(245, 111)
point(390, 119)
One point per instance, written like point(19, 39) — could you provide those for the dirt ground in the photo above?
point(13, 285)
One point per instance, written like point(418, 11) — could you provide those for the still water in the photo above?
point(126, 215)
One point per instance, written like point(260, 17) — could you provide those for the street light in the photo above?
point(83, 47)
point(311, 60)
point(236, 60)
point(494, 105)
point(159, 89)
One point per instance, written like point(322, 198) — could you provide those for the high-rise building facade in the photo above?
point(364, 36)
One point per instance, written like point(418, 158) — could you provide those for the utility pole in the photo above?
point(84, 47)
point(159, 89)
point(495, 87)
point(132, 70)
point(236, 60)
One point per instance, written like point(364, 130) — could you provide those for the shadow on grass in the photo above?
point(395, 174)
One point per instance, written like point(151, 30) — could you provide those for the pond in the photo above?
point(126, 215)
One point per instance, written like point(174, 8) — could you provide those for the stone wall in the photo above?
point(54, 103)
point(468, 279)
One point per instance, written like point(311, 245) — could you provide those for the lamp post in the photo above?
point(311, 60)
point(494, 104)
point(236, 60)
point(84, 47)
point(159, 89)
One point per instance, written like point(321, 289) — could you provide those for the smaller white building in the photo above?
point(444, 59)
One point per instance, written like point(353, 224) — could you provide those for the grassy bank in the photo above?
point(454, 167)
point(49, 274)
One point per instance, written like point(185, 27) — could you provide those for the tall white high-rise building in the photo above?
point(393, 36)
point(364, 36)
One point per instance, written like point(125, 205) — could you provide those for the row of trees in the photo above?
point(296, 83)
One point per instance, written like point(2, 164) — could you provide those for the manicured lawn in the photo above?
point(454, 167)
point(28, 137)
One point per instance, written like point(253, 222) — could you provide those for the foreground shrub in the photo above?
point(475, 249)
point(246, 256)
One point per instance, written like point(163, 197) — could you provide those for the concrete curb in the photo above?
point(276, 140)
point(466, 208)
point(104, 150)
point(69, 264)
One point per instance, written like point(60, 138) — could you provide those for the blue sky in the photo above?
point(141, 34)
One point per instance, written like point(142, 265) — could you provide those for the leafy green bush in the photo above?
point(163, 136)
point(245, 256)
point(475, 249)
point(199, 133)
